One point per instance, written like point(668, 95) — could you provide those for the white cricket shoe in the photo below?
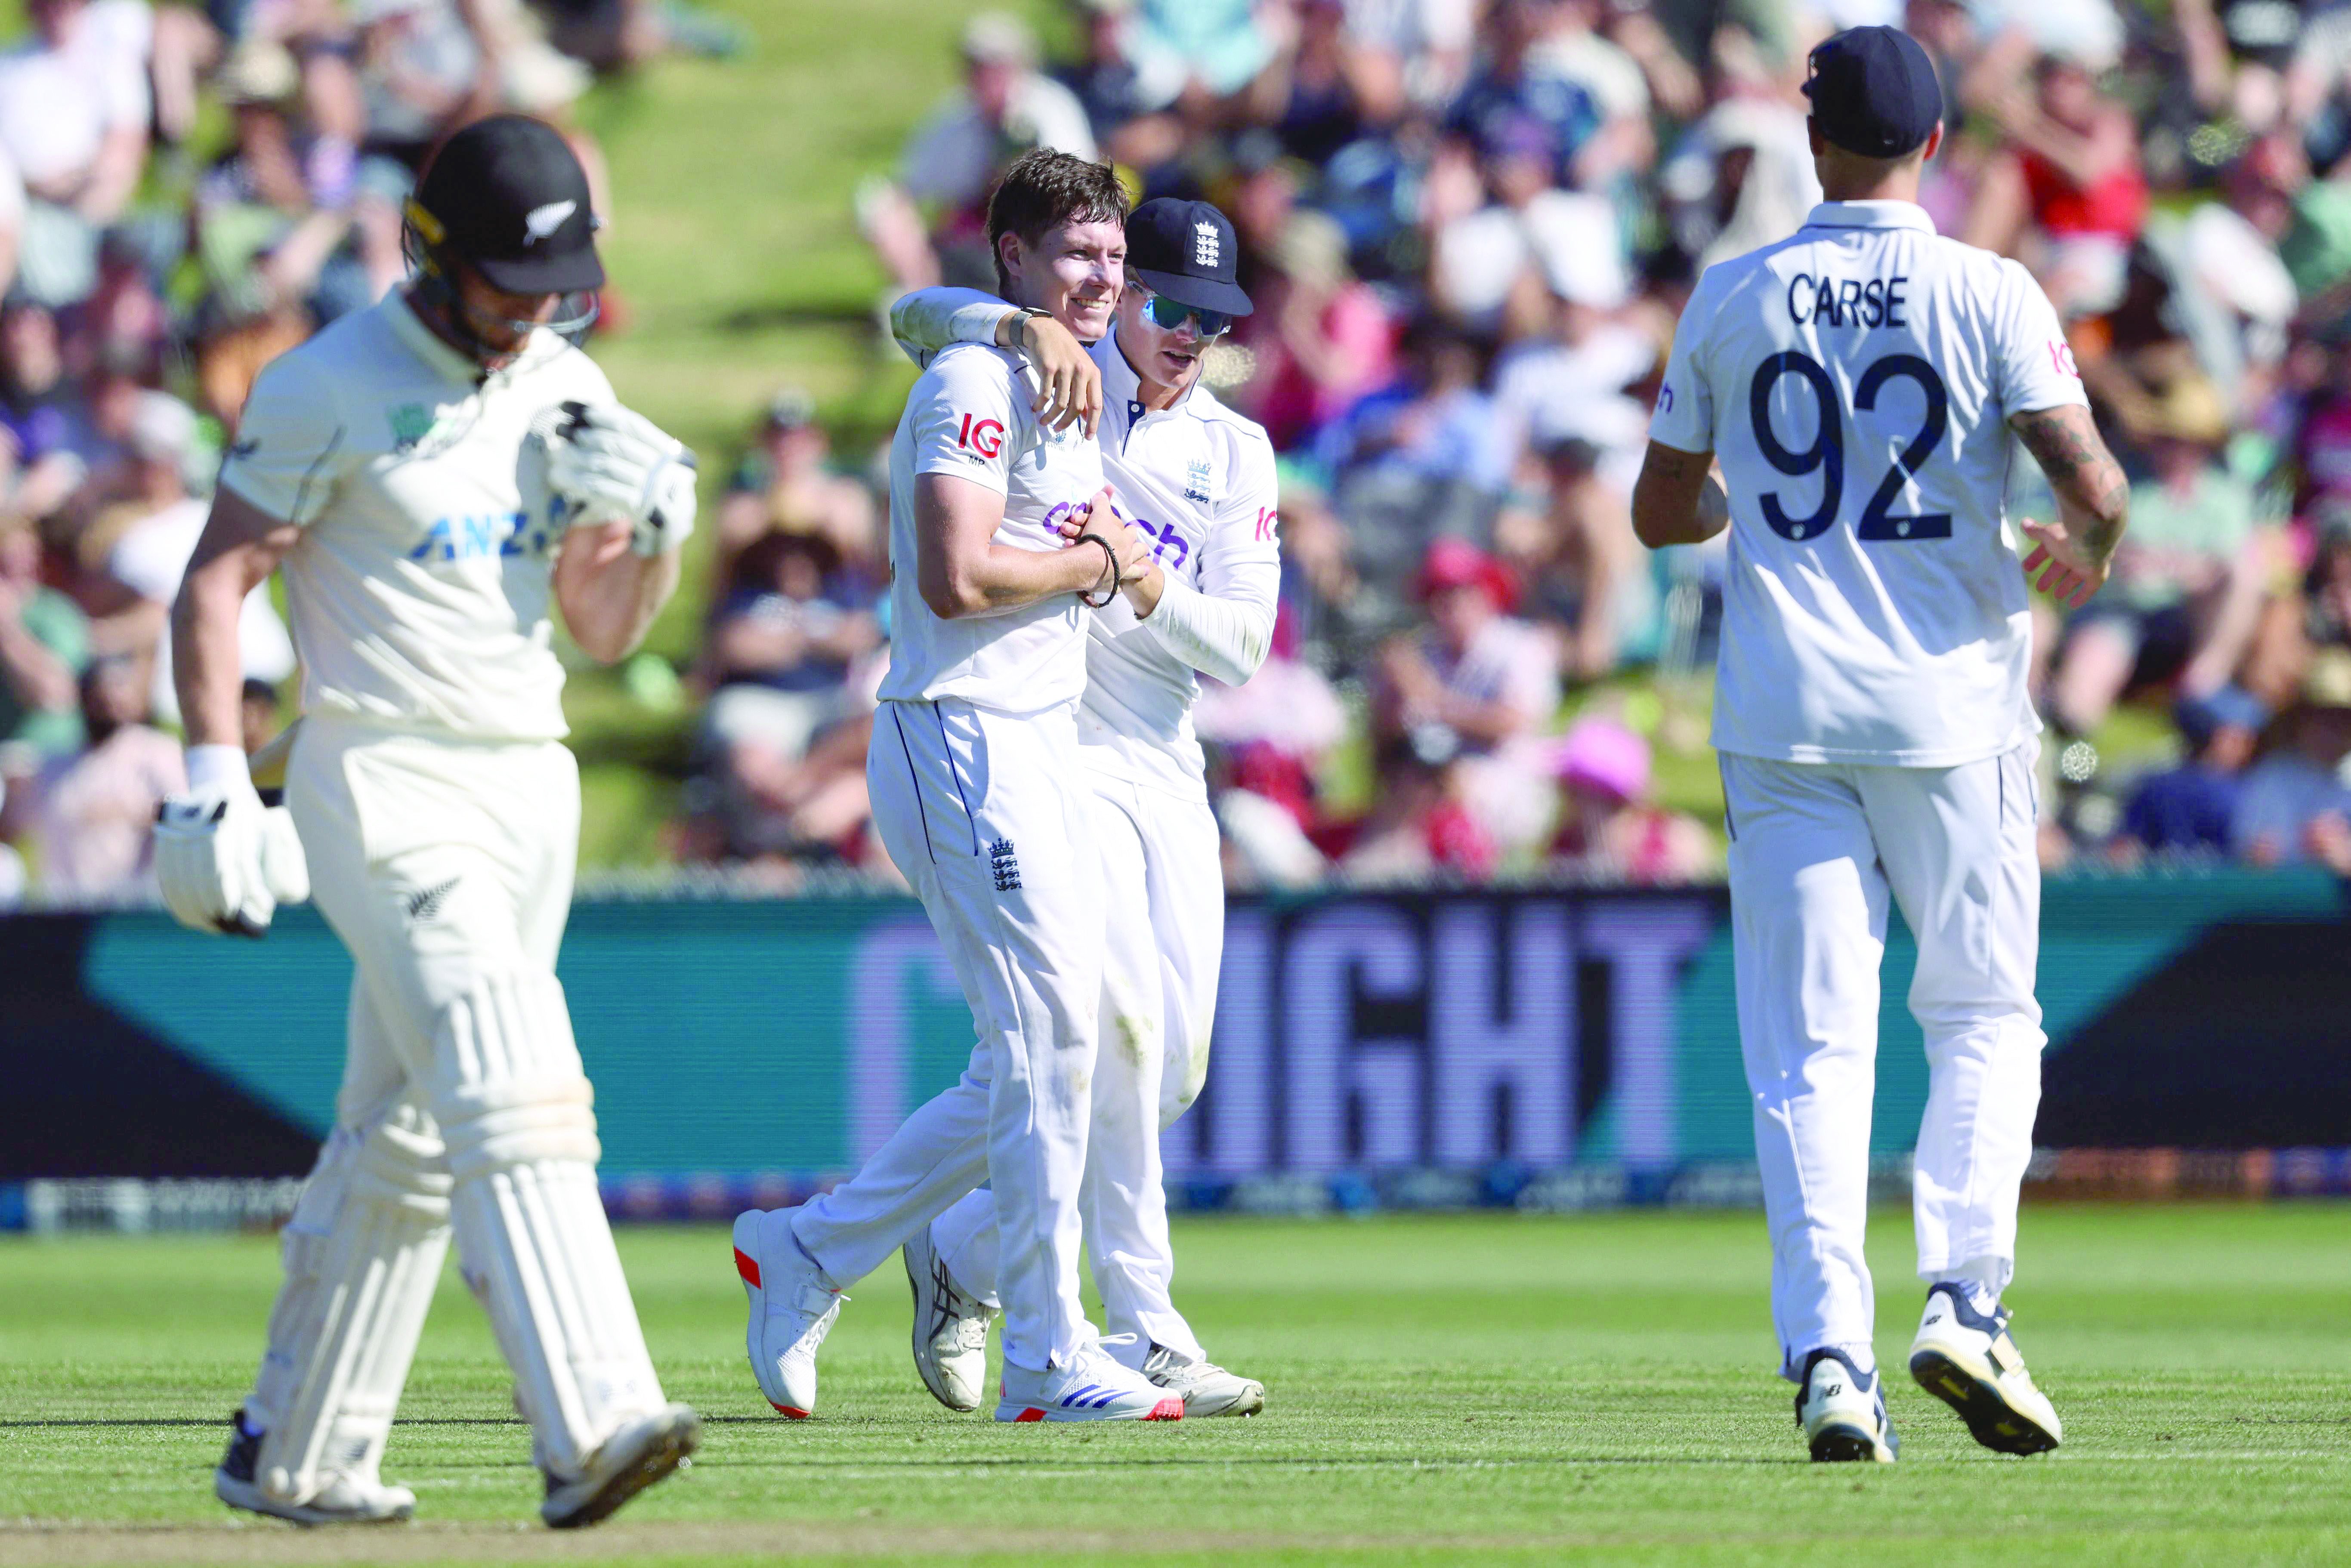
point(792, 1309)
point(344, 1500)
point(642, 1451)
point(1965, 1358)
point(1092, 1388)
point(950, 1328)
point(1843, 1411)
point(1208, 1389)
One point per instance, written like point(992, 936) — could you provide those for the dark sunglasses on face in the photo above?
point(1168, 316)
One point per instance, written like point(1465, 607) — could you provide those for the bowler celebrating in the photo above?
point(429, 472)
point(1199, 481)
point(979, 797)
point(1858, 383)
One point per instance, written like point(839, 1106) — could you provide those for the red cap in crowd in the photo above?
point(1456, 563)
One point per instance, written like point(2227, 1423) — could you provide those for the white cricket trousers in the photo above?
point(1163, 886)
point(1815, 852)
point(985, 814)
point(446, 867)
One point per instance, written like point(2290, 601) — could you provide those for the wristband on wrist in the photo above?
point(218, 769)
point(1109, 559)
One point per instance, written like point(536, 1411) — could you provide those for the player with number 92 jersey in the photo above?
point(1855, 381)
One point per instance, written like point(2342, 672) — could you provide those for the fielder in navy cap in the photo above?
point(1874, 92)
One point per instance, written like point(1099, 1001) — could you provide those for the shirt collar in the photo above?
point(1870, 215)
point(427, 344)
point(1120, 381)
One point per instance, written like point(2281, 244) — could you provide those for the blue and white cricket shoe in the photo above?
point(1092, 1388)
point(1966, 1359)
point(950, 1328)
point(1843, 1411)
point(792, 1309)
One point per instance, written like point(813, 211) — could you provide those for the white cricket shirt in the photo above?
point(1198, 479)
point(1856, 380)
point(420, 586)
point(968, 415)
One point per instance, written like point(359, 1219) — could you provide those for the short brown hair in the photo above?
point(1043, 190)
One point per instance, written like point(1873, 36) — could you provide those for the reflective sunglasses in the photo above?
point(1168, 316)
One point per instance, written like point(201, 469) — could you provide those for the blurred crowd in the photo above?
point(185, 191)
point(1470, 227)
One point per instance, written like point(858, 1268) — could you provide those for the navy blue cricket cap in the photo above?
point(1874, 91)
point(1188, 252)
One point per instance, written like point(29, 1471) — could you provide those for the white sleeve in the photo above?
point(928, 319)
point(1684, 417)
point(2036, 368)
point(965, 421)
point(1224, 627)
point(291, 443)
point(11, 201)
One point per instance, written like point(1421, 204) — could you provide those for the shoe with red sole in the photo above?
point(1092, 1388)
point(792, 1309)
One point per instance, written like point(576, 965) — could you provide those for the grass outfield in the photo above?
point(1441, 1389)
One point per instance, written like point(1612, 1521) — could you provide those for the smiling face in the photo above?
point(1074, 270)
point(1166, 361)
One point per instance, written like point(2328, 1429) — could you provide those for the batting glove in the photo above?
point(614, 465)
point(224, 862)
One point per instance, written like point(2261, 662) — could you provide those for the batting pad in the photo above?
point(514, 1106)
point(362, 1254)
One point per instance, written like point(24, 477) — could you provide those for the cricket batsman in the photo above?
point(979, 796)
point(1858, 383)
point(428, 472)
point(1197, 481)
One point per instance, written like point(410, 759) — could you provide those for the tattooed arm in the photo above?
point(2072, 554)
point(1677, 500)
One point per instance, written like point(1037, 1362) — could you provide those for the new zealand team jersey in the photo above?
point(1855, 381)
point(420, 585)
point(969, 416)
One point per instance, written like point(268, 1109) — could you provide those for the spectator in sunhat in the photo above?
point(1607, 826)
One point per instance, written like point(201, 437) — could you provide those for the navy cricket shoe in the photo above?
point(1843, 1411)
point(1966, 1359)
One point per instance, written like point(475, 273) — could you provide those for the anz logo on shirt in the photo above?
point(452, 539)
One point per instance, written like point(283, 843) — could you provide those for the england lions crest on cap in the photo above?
point(1204, 244)
point(544, 221)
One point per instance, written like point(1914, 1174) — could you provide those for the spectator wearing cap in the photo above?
point(136, 550)
point(1573, 379)
point(2185, 596)
point(1481, 673)
point(91, 813)
point(2192, 809)
point(786, 484)
point(1005, 108)
point(74, 112)
point(1608, 828)
point(1423, 823)
point(44, 648)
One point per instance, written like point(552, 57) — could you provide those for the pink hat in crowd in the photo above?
point(1605, 756)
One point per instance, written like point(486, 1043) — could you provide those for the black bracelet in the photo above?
point(1086, 598)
